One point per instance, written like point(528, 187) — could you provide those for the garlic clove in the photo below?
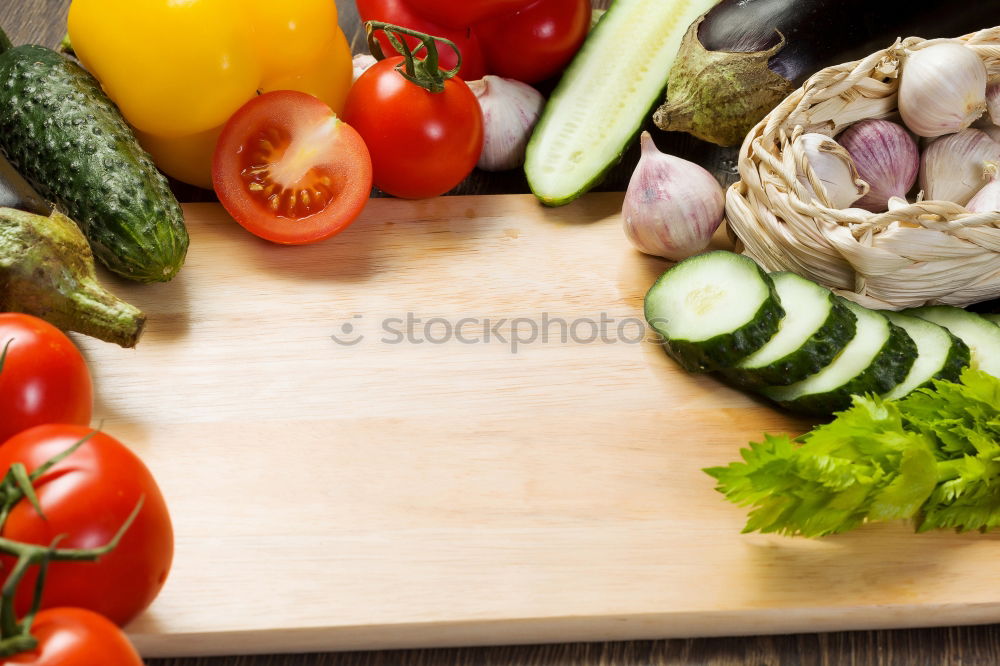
point(951, 169)
point(886, 157)
point(510, 111)
point(942, 89)
point(827, 172)
point(672, 206)
point(361, 62)
point(987, 199)
point(993, 103)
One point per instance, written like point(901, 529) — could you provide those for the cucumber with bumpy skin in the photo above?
point(815, 328)
point(940, 355)
point(604, 96)
point(713, 310)
point(875, 361)
point(62, 133)
point(982, 336)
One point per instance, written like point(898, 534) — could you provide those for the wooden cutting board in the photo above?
point(382, 493)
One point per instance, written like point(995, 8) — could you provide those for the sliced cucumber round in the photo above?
point(940, 355)
point(982, 336)
point(714, 310)
point(815, 328)
point(877, 359)
point(606, 93)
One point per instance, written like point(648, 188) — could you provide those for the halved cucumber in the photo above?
point(875, 361)
point(982, 336)
point(815, 328)
point(713, 310)
point(605, 94)
point(940, 355)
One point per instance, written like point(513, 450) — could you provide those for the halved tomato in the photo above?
point(290, 171)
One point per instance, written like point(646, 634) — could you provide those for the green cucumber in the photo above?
point(982, 336)
point(713, 310)
point(875, 361)
point(71, 143)
point(995, 318)
point(605, 95)
point(940, 355)
point(5, 44)
point(816, 327)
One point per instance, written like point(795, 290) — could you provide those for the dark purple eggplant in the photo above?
point(743, 57)
point(15, 192)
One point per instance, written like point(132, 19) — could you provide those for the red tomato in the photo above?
point(288, 170)
point(528, 40)
point(44, 378)
point(535, 43)
point(462, 13)
point(76, 637)
point(87, 497)
point(422, 143)
point(399, 12)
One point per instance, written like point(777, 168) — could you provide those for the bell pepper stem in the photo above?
point(425, 72)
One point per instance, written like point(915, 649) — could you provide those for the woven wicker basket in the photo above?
point(925, 253)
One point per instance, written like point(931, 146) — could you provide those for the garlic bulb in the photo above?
point(951, 169)
point(361, 63)
point(987, 199)
point(886, 158)
point(672, 206)
point(993, 103)
point(510, 111)
point(942, 89)
point(836, 178)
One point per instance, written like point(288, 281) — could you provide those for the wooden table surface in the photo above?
point(43, 21)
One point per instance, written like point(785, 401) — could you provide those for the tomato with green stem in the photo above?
point(288, 170)
point(422, 125)
point(43, 377)
point(76, 637)
point(85, 498)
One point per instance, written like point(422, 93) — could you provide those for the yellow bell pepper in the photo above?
point(178, 69)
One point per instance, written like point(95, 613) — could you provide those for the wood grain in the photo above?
point(381, 493)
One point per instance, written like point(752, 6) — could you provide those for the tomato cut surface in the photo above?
point(290, 171)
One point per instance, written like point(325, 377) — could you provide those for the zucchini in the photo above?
point(876, 360)
point(71, 143)
point(982, 336)
point(601, 101)
point(713, 310)
point(815, 328)
point(940, 355)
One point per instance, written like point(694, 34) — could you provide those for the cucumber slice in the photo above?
point(982, 336)
point(995, 318)
point(816, 327)
point(940, 355)
point(605, 94)
point(713, 310)
point(875, 361)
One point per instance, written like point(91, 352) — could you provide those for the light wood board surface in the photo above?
point(379, 495)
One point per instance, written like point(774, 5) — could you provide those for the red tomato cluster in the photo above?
point(288, 170)
point(45, 406)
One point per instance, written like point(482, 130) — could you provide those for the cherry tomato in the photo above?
point(422, 143)
point(399, 12)
point(44, 378)
point(535, 42)
point(76, 637)
point(462, 13)
point(528, 40)
point(88, 496)
point(290, 171)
